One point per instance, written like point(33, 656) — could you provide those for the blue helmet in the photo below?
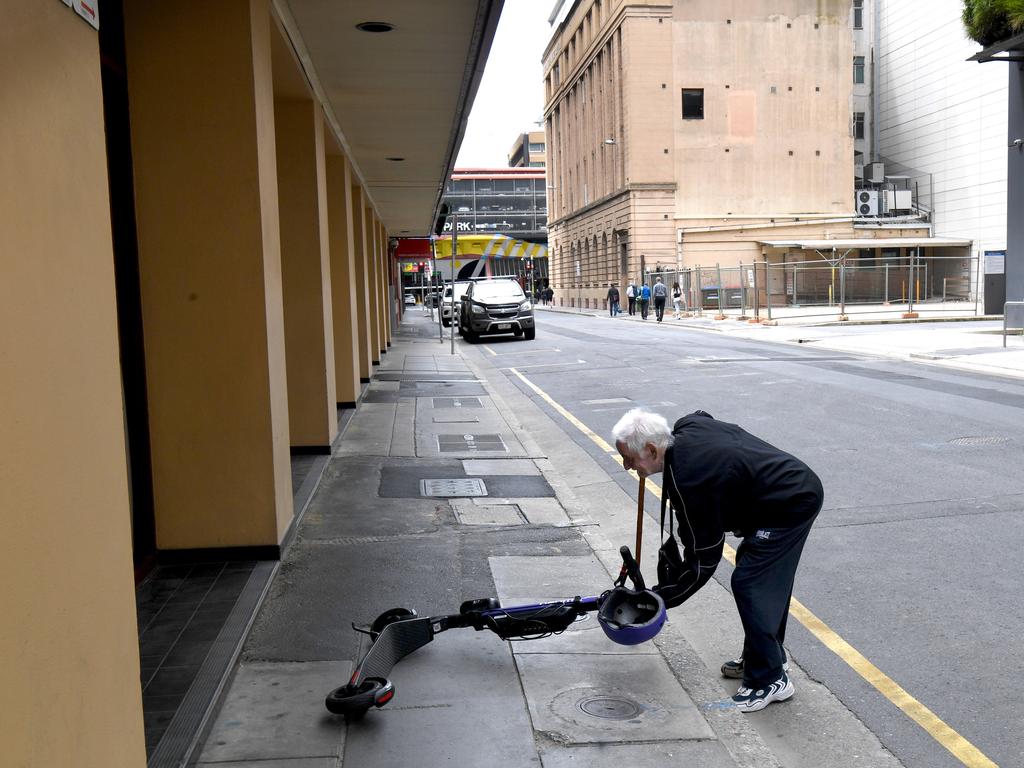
point(630, 617)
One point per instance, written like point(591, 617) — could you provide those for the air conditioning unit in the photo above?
point(875, 172)
point(897, 200)
point(866, 202)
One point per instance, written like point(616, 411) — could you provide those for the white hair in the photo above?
point(638, 427)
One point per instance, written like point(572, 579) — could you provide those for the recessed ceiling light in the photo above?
point(395, 159)
point(375, 26)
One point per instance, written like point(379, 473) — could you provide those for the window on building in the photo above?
point(858, 14)
point(858, 125)
point(536, 147)
point(858, 69)
point(693, 103)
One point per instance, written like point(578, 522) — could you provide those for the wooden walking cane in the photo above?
point(640, 516)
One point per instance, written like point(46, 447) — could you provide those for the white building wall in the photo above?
point(863, 45)
point(944, 116)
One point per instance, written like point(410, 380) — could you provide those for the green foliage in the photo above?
point(990, 21)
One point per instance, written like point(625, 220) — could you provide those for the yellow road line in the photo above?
point(566, 415)
point(490, 350)
point(933, 725)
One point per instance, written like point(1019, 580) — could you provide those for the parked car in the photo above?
point(410, 298)
point(495, 306)
point(450, 305)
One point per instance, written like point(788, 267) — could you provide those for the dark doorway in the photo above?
point(126, 278)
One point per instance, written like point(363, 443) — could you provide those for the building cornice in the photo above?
point(603, 201)
point(597, 45)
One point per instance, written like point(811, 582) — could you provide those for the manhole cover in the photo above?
point(609, 707)
point(462, 486)
point(979, 440)
point(457, 402)
point(467, 442)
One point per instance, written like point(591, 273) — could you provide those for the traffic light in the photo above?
point(442, 215)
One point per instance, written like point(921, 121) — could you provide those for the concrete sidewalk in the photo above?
point(549, 527)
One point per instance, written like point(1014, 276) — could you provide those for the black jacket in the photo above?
point(721, 478)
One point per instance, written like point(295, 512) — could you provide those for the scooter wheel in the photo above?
point(390, 617)
point(353, 701)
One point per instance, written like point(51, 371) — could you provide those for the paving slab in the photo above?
point(403, 437)
point(403, 481)
point(500, 467)
point(457, 702)
point(543, 511)
point(468, 513)
point(519, 578)
point(456, 419)
point(276, 711)
point(559, 578)
point(369, 431)
point(591, 699)
point(301, 762)
point(705, 754)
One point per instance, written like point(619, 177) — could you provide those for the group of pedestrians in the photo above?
point(638, 299)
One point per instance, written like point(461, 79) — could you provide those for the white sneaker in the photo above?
point(748, 700)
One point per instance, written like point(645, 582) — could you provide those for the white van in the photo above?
point(447, 303)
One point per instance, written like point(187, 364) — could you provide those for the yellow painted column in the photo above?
point(306, 274)
point(202, 109)
point(343, 279)
point(362, 283)
point(373, 283)
point(69, 680)
point(390, 300)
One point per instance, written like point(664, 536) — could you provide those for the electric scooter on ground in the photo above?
point(627, 616)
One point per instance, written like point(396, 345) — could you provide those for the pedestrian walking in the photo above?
point(644, 300)
point(613, 299)
point(631, 298)
point(677, 301)
point(720, 478)
point(660, 293)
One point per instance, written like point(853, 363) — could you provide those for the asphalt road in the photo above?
point(915, 559)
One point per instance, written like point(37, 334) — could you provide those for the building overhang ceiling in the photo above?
point(405, 93)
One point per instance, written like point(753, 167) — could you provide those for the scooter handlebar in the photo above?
point(631, 569)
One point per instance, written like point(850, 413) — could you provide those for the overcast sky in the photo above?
point(511, 95)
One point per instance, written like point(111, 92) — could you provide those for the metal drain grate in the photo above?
point(462, 443)
point(609, 707)
point(979, 440)
point(453, 487)
point(457, 402)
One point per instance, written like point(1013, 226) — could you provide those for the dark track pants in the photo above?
point(762, 585)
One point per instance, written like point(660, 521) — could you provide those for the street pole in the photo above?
point(455, 227)
point(433, 259)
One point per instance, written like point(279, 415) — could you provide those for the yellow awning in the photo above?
point(489, 246)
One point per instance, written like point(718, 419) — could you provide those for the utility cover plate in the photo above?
point(457, 402)
point(453, 487)
point(467, 442)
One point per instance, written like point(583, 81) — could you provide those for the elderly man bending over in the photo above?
point(720, 478)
